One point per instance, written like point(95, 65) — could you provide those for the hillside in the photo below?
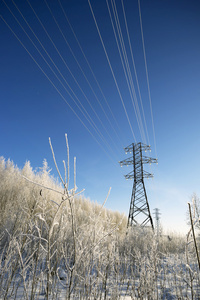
point(57, 245)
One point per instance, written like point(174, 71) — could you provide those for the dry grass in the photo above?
point(58, 245)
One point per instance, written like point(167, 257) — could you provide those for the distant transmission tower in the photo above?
point(157, 217)
point(139, 213)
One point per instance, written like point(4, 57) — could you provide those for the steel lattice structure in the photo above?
point(139, 213)
point(157, 217)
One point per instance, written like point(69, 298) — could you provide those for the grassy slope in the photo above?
point(41, 240)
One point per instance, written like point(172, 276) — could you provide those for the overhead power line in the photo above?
point(126, 67)
point(94, 123)
point(92, 72)
point(57, 89)
point(122, 101)
point(147, 76)
point(135, 72)
point(63, 60)
point(83, 110)
point(82, 71)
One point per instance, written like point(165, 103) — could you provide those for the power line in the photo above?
point(134, 67)
point(147, 76)
point(133, 93)
point(91, 122)
point(117, 124)
point(62, 80)
point(126, 67)
point(84, 77)
point(57, 88)
point(64, 61)
point(122, 101)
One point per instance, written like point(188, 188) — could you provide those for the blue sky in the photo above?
point(34, 108)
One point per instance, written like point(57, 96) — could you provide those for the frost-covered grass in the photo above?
point(54, 244)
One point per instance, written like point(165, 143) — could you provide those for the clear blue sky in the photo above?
point(32, 109)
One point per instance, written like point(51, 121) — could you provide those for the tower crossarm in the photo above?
point(137, 146)
point(149, 160)
point(129, 175)
point(126, 162)
point(129, 149)
point(138, 175)
point(147, 174)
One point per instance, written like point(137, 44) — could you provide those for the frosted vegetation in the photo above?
point(54, 244)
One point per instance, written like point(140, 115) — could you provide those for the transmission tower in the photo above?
point(139, 213)
point(157, 217)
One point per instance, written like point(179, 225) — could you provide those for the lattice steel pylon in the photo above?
point(157, 217)
point(139, 213)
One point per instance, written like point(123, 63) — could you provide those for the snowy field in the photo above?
point(54, 244)
point(169, 278)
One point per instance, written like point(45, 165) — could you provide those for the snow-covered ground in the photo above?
point(173, 279)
